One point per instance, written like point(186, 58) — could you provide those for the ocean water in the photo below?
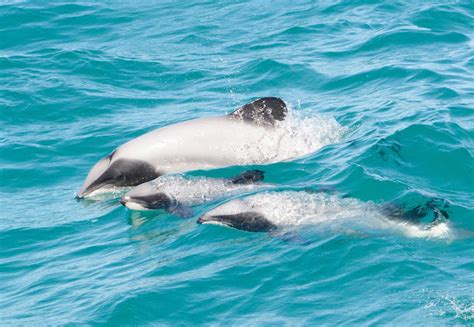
point(393, 80)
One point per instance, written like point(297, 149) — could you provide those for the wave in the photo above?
point(399, 40)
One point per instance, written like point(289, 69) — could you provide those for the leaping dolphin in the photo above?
point(249, 135)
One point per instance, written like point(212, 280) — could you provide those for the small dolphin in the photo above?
point(249, 135)
point(270, 210)
point(176, 193)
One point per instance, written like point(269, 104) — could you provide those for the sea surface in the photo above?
point(385, 87)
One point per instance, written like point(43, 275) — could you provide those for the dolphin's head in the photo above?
point(112, 172)
point(146, 196)
point(237, 214)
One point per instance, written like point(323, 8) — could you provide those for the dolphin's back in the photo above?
point(203, 143)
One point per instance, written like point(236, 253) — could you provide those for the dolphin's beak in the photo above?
point(94, 179)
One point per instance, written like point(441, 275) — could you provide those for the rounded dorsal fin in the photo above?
point(264, 111)
point(248, 177)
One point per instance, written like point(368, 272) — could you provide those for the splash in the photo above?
point(299, 136)
point(308, 134)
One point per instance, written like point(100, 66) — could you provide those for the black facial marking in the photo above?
point(132, 172)
point(247, 221)
point(126, 172)
point(154, 201)
point(248, 177)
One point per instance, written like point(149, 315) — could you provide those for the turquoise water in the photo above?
point(78, 79)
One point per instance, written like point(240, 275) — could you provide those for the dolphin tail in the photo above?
point(439, 215)
point(417, 213)
point(248, 177)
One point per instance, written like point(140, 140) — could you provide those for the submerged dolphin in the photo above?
point(249, 135)
point(270, 211)
point(175, 192)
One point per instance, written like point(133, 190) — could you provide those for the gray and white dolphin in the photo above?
point(249, 135)
point(271, 211)
point(175, 193)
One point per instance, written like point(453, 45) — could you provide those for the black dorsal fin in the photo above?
point(248, 177)
point(264, 111)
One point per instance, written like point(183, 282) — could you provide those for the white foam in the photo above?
point(307, 134)
point(295, 137)
point(441, 231)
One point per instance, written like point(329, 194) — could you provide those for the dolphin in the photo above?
point(270, 211)
point(249, 135)
point(175, 193)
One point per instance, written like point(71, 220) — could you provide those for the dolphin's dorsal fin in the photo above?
point(264, 111)
point(248, 177)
